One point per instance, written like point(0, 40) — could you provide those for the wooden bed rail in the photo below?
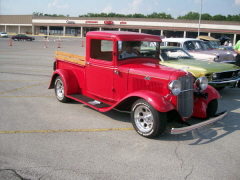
point(70, 57)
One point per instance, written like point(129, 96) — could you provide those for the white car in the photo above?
point(198, 50)
point(3, 34)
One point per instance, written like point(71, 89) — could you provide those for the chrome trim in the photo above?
point(224, 82)
point(185, 98)
point(226, 71)
point(198, 125)
point(187, 90)
point(228, 62)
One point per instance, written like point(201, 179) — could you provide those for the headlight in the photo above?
point(202, 83)
point(238, 74)
point(216, 58)
point(215, 76)
point(175, 87)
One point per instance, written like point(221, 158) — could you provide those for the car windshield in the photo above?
point(194, 45)
point(174, 54)
point(208, 45)
point(215, 44)
point(136, 49)
point(3, 33)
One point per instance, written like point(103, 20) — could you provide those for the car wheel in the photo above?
point(212, 108)
point(146, 120)
point(59, 90)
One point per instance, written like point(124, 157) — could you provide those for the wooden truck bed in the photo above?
point(70, 57)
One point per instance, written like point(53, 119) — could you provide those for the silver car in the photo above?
point(198, 50)
point(3, 34)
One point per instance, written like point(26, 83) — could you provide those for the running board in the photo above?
point(88, 101)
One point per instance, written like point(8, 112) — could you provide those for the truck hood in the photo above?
point(153, 70)
point(198, 67)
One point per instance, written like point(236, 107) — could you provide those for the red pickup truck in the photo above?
point(116, 74)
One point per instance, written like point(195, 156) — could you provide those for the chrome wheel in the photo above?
point(146, 120)
point(143, 118)
point(59, 90)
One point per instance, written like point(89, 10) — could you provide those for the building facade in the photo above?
point(79, 26)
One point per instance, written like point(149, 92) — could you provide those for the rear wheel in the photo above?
point(146, 120)
point(59, 90)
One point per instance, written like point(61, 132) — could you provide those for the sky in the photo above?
point(74, 8)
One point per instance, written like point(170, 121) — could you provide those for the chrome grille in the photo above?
point(185, 98)
point(226, 76)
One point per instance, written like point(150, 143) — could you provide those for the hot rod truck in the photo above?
point(116, 74)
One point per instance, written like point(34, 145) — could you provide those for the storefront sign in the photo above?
point(91, 22)
point(108, 22)
point(70, 22)
point(123, 22)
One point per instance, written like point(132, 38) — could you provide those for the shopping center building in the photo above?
point(79, 26)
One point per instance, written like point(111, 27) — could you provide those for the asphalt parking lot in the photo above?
point(43, 139)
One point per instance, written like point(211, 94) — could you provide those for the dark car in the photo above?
point(20, 37)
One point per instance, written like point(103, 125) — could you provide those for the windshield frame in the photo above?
point(142, 49)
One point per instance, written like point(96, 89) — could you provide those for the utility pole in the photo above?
point(200, 16)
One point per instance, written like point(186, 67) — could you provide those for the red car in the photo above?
point(22, 37)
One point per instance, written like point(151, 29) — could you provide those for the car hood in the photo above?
point(197, 67)
point(152, 70)
point(209, 52)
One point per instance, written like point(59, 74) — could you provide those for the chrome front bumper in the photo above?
point(198, 125)
point(224, 82)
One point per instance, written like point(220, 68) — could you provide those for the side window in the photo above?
point(101, 49)
point(174, 44)
point(189, 45)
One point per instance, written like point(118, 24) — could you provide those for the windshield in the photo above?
point(194, 45)
point(215, 44)
point(133, 49)
point(174, 54)
point(208, 45)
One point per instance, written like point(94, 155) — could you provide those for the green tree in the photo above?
point(159, 15)
point(190, 15)
point(206, 16)
point(219, 17)
point(138, 15)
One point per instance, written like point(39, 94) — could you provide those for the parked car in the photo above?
point(3, 34)
point(196, 48)
point(20, 37)
point(229, 49)
point(219, 75)
point(213, 43)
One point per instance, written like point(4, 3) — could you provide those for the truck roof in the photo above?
point(125, 36)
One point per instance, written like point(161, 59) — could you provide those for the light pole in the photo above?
point(200, 16)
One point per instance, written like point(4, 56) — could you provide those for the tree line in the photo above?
point(189, 16)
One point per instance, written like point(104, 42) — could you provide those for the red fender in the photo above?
point(69, 79)
point(159, 102)
point(200, 105)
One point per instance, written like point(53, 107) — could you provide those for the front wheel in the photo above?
point(146, 120)
point(212, 108)
point(59, 90)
